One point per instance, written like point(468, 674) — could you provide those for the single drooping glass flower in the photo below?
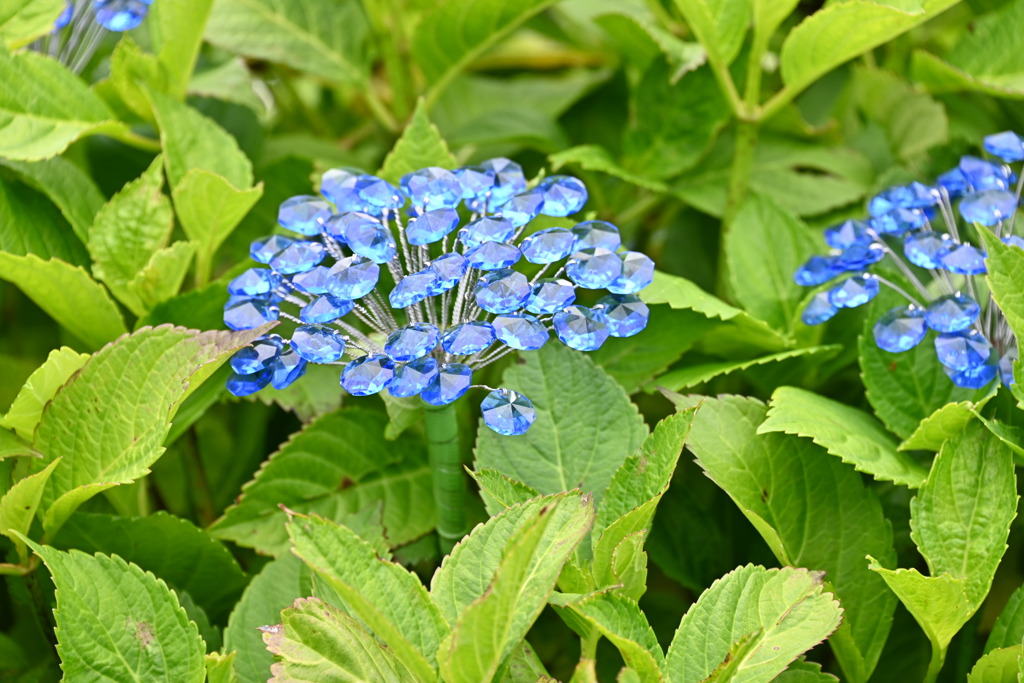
point(82, 25)
point(411, 289)
point(929, 233)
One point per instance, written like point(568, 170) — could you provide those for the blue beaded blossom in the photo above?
point(929, 233)
point(81, 27)
point(414, 288)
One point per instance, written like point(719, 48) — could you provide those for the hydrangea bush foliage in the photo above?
point(731, 294)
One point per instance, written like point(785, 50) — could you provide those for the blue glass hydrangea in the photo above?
point(414, 288)
point(81, 27)
point(930, 235)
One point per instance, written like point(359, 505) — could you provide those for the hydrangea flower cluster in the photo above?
point(416, 284)
point(80, 28)
point(915, 227)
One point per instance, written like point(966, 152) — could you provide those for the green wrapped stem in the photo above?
point(449, 480)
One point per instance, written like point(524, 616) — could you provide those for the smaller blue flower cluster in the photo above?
point(80, 28)
point(915, 228)
point(449, 242)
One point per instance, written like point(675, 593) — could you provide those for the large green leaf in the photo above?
point(719, 24)
point(22, 21)
point(420, 146)
point(1009, 627)
point(69, 187)
point(316, 642)
point(812, 509)
point(118, 622)
point(66, 292)
point(851, 434)
point(913, 121)
point(698, 373)
point(30, 224)
point(585, 428)
point(39, 389)
point(337, 465)
point(176, 29)
point(998, 666)
point(762, 619)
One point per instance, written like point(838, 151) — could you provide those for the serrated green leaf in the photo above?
point(812, 509)
point(1008, 629)
point(420, 146)
point(220, 668)
point(997, 666)
point(13, 446)
point(334, 467)
point(65, 292)
point(640, 39)
point(913, 121)
point(494, 624)
point(40, 388)
point(585, 428)
point(176, 29)
point(943, 424)
point(67, 186)
point(786, 610)
point(133, 71)
point(767, 16)
point(316, 642)
point(386, 597)
point(29, 224)
point(853, 435)
point(499, 492)
point(1005, 270)
point(162, 277)
point(113, 617)
point(22, 21)
point(802, 671)
point(18, 506)
point(597, 158)
point(183, 555)
point(719, 24)
point(689, 376)
point(229, 81)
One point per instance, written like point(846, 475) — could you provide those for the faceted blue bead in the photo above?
point(414, 288)
point(847, 234)
point(431, 226)
point(952, 313)
point(120, 15)
point(304, 214)
point(507, 413)
point(326, 308)
point(901, 329)
point(926, 248)
point(244, 385)
point(353, 277)
point(65, 17)
point(339, 186)
point(263, 250)
point(1014, 241)
point(859, 256)
point(476, 182)
point(502, 291)
point(255, 282)
point(486, 229)
point(819, 310)
point(522, 208)
point(520, 331)
point(637, 273)
point(913, 196)
point(563, 195)
point(492, 256)
point(257, 356)
point(984, 175)
point(594, 268)
point(954, 181)
point(377, 194)
point(548, 246)
point(247, 314)
point(596, 235)
point(412, 378)
point(816, 271)
point(989, 207)
point(298, 257)
point(962, 350)
point(366, 236)
point(1006, 366)
point(965, 259)
point(334, 226)
point(367, 375)
point(318, 344)
point(432, 188)
point(508, 180)
point(581, 328)
point(973, 378)
point(550, 296)
point(286, 368)
point(449, 384)
point(625, 314)
point(449, 268)
point(313, 281)
point(411, 342)
point(899, 221)
point(468, 338)
point(1007, 145)
point(854, 291)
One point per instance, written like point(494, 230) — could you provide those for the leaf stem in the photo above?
point(446, 465)
point(935, 664)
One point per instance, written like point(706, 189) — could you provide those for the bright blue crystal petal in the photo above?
point(431, 226)
point(596, 234)
point(326, 308)
point(549, 295)
point(563, 195)
point(476, 182)
point(901, 329)
point(952, 313)
point(414, 288)
point(854, 291)
point(318, 344)
point(120, 15)
point(486, 229)
point(962, 350)
point(984, 175)
point(625, 314)
point(507, 413)
point(859, 256)
point(339, 186)
point(298, 257)
point(502, 291)
point(411, 342)
point(353, 277)
point(412, 378)
point(581, 328)
point(367, 375)
point(449, 268)
point(313, 281)
point(988, 208)
point(246, 314)
point(847, 234)
point(508, 180)
point(953, 181)
point(492, 256)
point(65, 16)
point(377, 194)
point(926, 248)
point(965, 259)
point(244, 385)
point(899, 221)
point(304, 214)
point(548, 246)
point(594, 268)
point(520, 331)
point(522, 208)
point(1007, 145)
point(367, 236)
point(257, 356)
point(816, 271)
point(287, 367)
point(468, 338)
point(973, 378)
point(819, 310)
point(262, 250)
point(255, 282)
point(449, 384)
point(432, 188)
point(637, 273)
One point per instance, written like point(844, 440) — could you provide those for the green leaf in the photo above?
point(845, 431)
point(147, 372)
point(493, 625)
point(174, 549)
point(67, 186)
point(133, 71)
point(18, 506)
point(913, 121)
point(44, 108)
point(162, 277)
point(403, 413)
point(316, 642)
point(13, 446)
point(692, 375)
point(783, 612)
point(812, 509)
point(943, 424)
point(1005, 268)
point(420, 146)
point(113, 617)
point(585, 425)
point(1009, 627)
point(40, 388)
point(597, 158)
point(841, 31)
point(455, 33)
point(768, 16)
point(719, 24)
point(278, 585)
point(337, 465)
point(176, 29)
point(29, 224)
point(323, 37)
point(22, 21)
point(998, 666)
point(221, 668)
point(802, 671)
point(499, 492)
point(385, 596)
point(315, 395)
point(961, 517)
point(64, 292)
